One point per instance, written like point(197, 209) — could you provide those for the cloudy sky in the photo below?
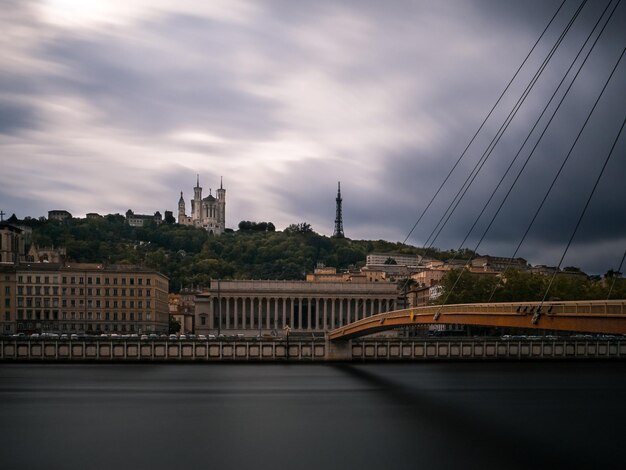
point(107, 105)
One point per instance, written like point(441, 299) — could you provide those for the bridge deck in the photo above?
point(595, 316)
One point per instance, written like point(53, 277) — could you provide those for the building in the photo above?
point(182, 309)
point(268, 307)
point(381, 259)
point(83, 298)
point(93, 216)
point(11, 243)
point(498, 263)
point(208, 213)
point(46, 254)
point(138, 220)
point(7, 300)
point(59, 215)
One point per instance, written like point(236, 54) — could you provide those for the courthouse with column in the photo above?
point(267, 307)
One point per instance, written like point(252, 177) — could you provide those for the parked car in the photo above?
point(172, 337)
point(144, 338)
point(64, 337)
point(202, 338)
point(74, 337)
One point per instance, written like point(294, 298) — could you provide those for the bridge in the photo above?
point(594, 316)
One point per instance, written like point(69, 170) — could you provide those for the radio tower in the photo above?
point(338, 217)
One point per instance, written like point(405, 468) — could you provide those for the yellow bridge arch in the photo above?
point(592, 316)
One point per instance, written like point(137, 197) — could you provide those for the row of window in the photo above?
point(54, 302)
point(80, 280)
point(48, 290)
point(54, 315)
point(89, 327)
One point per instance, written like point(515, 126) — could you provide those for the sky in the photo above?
point(107, 105)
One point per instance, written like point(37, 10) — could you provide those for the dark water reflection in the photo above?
point(372, 416)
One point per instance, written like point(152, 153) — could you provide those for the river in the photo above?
point(318, 416)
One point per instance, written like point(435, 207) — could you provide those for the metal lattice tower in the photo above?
point(338, 217)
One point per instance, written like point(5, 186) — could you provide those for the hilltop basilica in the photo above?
point(209, 213)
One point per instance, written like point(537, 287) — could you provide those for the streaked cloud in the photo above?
point(110, 105)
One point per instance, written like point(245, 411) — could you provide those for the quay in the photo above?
point(16, 350)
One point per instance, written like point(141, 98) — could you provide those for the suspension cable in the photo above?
point(540, 138)
point(582, 214)
point(483, 123)
point(496, 139)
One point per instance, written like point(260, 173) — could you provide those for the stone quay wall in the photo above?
point(310, 350)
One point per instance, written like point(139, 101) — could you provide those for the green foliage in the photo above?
point(190, 257)
point(519, 286)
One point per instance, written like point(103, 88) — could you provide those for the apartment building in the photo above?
point(83, 298)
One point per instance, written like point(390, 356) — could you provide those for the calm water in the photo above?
point(373, 416)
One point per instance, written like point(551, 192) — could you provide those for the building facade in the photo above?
point(83, 298)
point(59, 215)
point(11, 244)
point(138, 220)
point(268, 307)
point(208, 213)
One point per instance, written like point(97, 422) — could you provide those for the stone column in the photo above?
point(332, 314)
point(300, 313)
point(284, 312)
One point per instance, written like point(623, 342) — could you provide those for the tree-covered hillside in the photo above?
point(190, 256)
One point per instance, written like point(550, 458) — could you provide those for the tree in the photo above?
point(174, 325)
point(390, 260)
point(299, 228)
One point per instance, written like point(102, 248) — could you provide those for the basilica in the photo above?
point(208, 213)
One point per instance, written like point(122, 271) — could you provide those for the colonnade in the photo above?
point(301, 313)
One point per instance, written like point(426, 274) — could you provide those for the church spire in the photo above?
point(221, 178)
point(198, 180)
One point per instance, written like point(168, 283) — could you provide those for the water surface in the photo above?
point(282, 416)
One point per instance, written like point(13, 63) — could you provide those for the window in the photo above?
point(37, 279)
point(148, 281)
point(46, 280)
point(7, 316)
point(123, 281)
point(7, 290)
point(7, 303)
